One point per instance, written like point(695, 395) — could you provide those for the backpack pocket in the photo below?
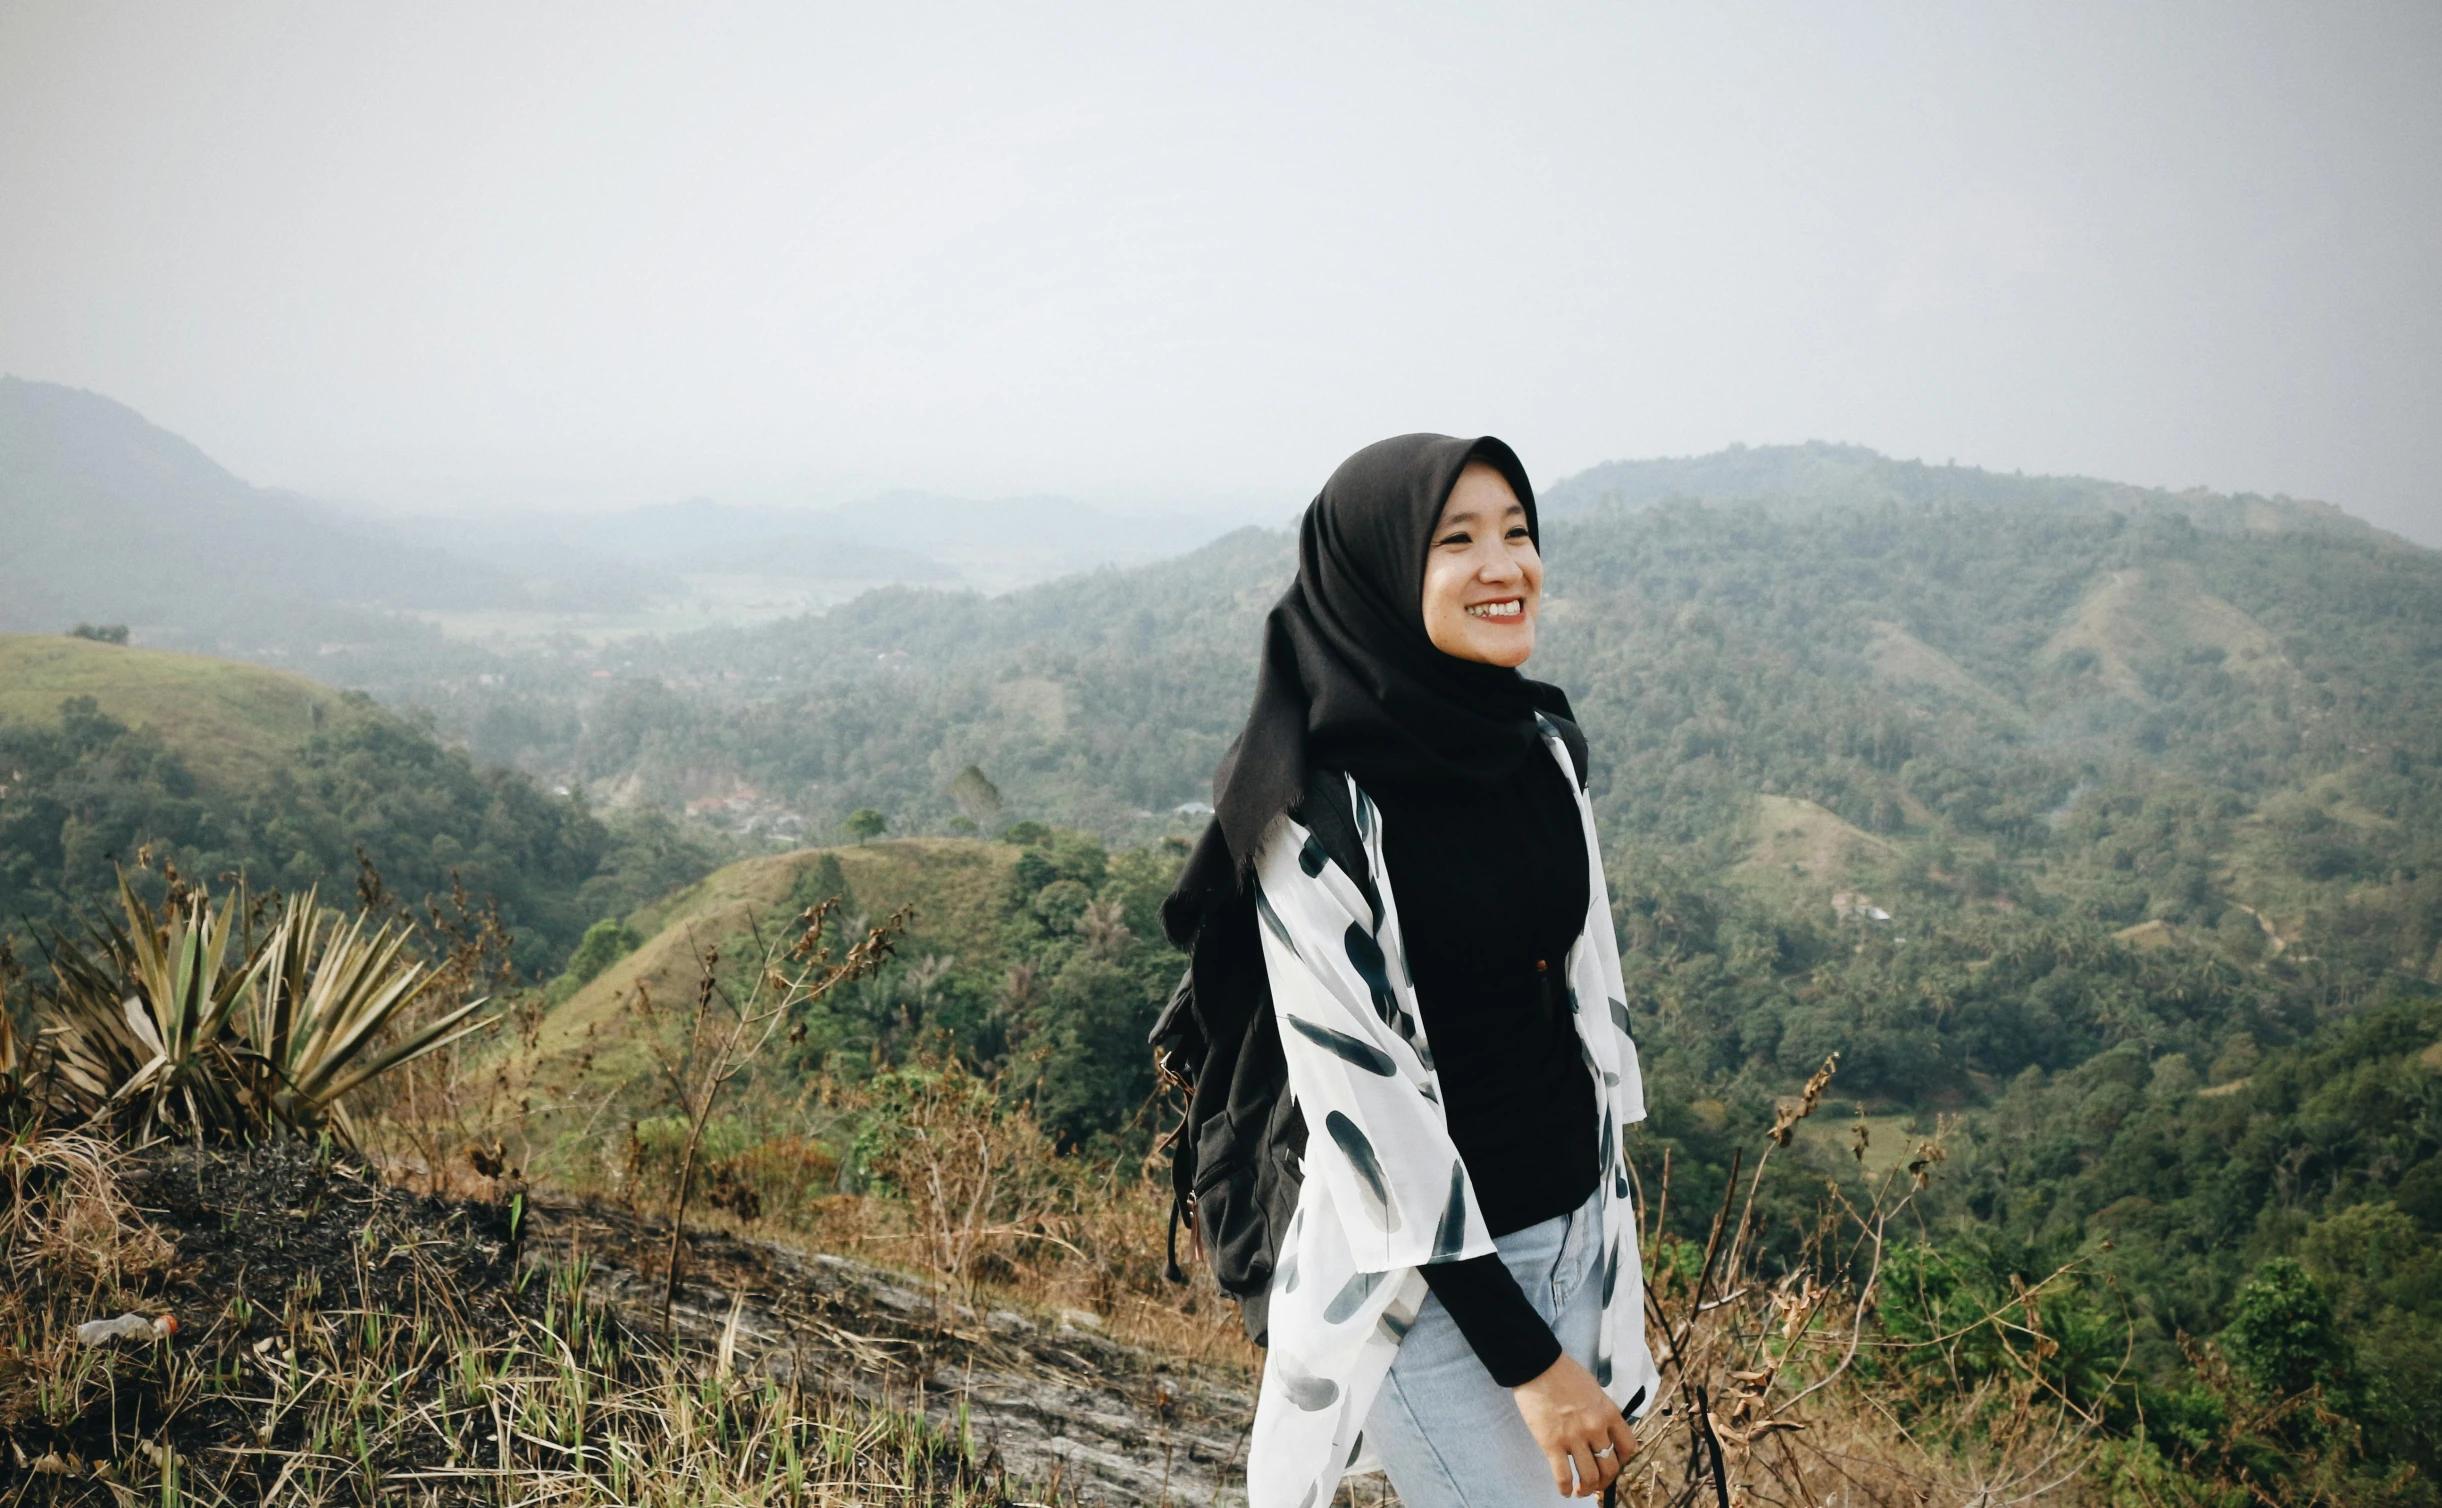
point(1229, 1221)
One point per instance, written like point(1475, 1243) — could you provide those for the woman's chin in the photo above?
point(1506, 647)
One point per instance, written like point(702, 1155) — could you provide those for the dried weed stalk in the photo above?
point(1786, 1389)
point(976, 1176)
point(729, 1029)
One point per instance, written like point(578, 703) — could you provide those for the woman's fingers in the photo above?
point(1563, 1464)
point(1607, 1459)
point(1585, 1462)
point(1583, 1435)
point(1623, 1441)
point(1590, 1477)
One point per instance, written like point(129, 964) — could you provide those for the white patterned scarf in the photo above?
point(1384, 1190)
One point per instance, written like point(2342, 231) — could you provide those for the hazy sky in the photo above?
point(427, 255)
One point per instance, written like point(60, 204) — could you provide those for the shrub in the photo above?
point(183, 1020)
point(2281, 1332)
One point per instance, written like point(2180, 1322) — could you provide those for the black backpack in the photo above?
point(1237, 1152)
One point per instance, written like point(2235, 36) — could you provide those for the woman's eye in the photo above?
point(1520, 533)
point(1457, 539)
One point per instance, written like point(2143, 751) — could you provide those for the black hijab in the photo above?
point(1349, 680)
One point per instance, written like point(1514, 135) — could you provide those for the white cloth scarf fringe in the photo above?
point(1384, 1190)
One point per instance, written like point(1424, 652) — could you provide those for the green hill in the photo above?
point(230, 722)
point(113, 757)
point(1041, 960)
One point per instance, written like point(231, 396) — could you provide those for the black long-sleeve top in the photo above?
point(1492, 891)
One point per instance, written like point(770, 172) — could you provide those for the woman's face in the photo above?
point(1483, 580)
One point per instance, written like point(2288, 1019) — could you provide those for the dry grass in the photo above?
point(415, 1377)
point(65, 1220)
point(967, 1188)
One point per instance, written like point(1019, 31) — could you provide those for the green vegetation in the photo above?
point(1040, 964)
point(112, 758)
point(2050, 810)
point(2097, 831)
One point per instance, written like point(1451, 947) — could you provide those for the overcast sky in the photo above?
point(1159, 255)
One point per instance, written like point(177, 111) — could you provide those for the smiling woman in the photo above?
point(1461, 1263)
point(1483, 578)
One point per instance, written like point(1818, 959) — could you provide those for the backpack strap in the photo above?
point(1572, 738)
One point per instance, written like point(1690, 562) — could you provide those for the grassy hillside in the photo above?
point(118, 758)
point(231, 722)
point(590, 1045)
point(1039, 961)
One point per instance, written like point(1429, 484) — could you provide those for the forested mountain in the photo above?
point(2097, 829)
point(110, 518)
point(2055, 708)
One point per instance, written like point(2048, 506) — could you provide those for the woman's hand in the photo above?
point(1582, 1432)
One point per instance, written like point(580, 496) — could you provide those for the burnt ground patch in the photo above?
point(285, 1262)
point(341, 1339)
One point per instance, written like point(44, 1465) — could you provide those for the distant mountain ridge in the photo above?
point(108, 516)
point(896, 538)
point(1818, 473)
point(111, 518)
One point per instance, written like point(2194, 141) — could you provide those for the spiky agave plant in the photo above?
point(139, 1018)
point(20, 1102)
point(157, 1028)
point(328, 1008)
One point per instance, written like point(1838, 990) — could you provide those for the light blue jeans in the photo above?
point(1447, 1435)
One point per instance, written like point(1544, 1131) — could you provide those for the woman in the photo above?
point(1459, 1296)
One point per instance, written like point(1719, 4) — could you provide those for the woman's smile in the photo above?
point(1499, 607)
